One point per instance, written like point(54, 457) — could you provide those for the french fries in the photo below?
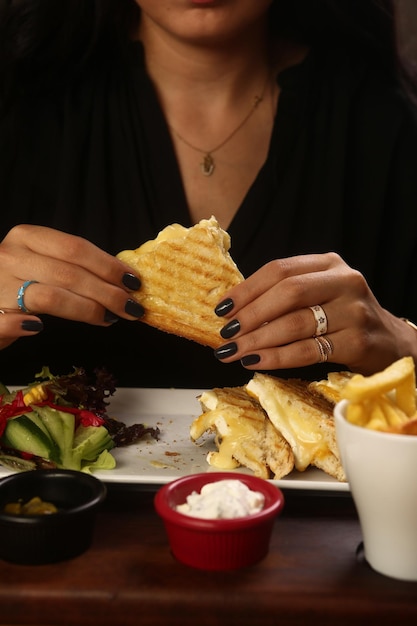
point(385, 401)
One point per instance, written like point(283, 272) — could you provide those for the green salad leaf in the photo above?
point(61, 421)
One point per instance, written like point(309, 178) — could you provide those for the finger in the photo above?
point(40, 246)
point(298, 354)
point(294, 326)
point(273, 274)
point(14, 325)
point(67, 304)
point(290, 295)
point(286, 329)
point(60, 286)
point(291, 327)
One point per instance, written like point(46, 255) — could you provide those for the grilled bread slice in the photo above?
point(243, 434)
point(303, 418)
point(331, 387)
point(184, 273)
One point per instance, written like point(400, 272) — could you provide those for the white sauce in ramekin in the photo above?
point(224, 499)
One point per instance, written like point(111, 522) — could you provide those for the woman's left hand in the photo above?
point(269, 319)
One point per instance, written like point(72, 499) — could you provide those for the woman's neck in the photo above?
point(203, 74)
point(206, 75)
point(209, 95)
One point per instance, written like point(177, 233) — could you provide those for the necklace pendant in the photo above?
point(207, 165)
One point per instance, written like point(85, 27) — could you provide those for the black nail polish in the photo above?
point(224, 307)
point(225, 351)
point(131, 281)
point(110, 318)
point(134, 308)
point(250, 359)
point(230, 330)
point(33, 325)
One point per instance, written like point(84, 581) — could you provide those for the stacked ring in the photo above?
point(325, 347)
point(21, 295)
point(321, 320)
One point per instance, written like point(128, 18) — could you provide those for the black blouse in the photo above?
point(95, 159)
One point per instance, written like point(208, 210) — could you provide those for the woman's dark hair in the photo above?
point(46, 40)
point(367, 28)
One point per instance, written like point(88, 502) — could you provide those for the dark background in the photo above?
point(407, 26)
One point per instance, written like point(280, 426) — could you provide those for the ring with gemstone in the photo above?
point(21, 295)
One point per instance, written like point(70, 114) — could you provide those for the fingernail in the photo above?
point(224, 307)
point(134, 308)
point(231, 329)
point(250, 359)
point(110, 318)
point(131, 281)
point(33, 325)
point(225, 351)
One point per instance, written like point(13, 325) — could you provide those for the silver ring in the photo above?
point(2, 312)
point(325, 347)
point(321, 320)
point(21, 295)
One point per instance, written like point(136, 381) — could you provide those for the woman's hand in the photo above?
point(273, 327)
point(15, 324)
point(48, 271)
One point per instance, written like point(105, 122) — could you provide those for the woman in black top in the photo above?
point(114, 113)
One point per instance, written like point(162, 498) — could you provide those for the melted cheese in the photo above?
point(174, 231)
point(304, 435)
point(230, 432)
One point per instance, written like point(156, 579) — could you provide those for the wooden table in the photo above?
point(314, 574)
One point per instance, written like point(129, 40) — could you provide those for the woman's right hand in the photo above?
point(16, 324)
point(72, 279)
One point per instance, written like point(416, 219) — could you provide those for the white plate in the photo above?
point(152, 462)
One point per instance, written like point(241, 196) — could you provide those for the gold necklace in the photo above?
point(208, 165)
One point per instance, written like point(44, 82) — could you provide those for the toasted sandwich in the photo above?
point(303, 418)
point(244, 435)
point(184, 273)
point(331, 387)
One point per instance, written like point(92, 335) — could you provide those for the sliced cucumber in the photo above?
point(33, 415)
point(23, 434)
point(90, 441)
point(16, 464)
point(60, 427)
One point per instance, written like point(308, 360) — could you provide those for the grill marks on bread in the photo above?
point(183, 278)
point(271, 426)
point(243, 434)
point(304, 418)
